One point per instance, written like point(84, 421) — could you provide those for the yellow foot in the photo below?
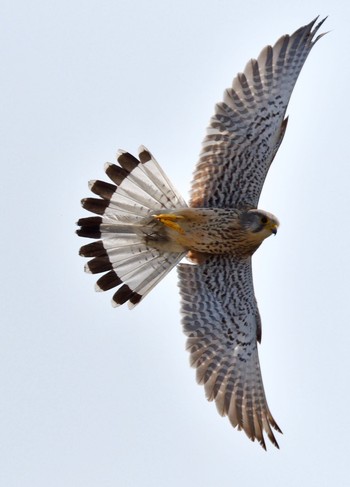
point(169, 219)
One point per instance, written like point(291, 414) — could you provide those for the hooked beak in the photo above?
point(274, 229)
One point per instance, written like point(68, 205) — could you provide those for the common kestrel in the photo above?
point(145, 228)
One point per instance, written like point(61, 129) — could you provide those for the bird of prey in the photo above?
point(144, 228)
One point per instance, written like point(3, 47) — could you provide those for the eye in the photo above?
point(264, 220)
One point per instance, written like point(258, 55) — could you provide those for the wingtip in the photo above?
point(317, 27)
point(263, 444)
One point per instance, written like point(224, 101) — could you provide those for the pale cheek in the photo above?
point(260, 236)
point(267, 233)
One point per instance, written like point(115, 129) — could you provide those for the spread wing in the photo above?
point(222, 323)
point(220, 314)
point(248, 126)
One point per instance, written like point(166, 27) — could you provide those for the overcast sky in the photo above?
point(96, 396)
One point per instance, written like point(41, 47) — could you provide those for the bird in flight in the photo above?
point(144, 228)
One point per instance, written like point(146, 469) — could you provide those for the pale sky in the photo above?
point(99, 397)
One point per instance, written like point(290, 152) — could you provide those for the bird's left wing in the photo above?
point(222, 323)
point(249, 124)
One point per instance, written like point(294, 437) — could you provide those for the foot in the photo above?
point(169, 219)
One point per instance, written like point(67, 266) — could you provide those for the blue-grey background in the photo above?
point(96, 396)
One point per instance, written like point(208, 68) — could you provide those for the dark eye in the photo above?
point(264, 219)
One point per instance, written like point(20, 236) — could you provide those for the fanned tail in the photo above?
point(124, 227)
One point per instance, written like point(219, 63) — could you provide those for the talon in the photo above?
point(169, 220)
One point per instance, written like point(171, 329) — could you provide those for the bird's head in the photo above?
point(259, 223)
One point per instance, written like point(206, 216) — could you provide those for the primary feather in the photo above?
point(249, 124)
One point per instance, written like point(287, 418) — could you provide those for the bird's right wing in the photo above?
point(222, 323)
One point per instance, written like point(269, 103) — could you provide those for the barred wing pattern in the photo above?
point(222, 323)
point(131, 250)
point(220, 314)
point(248, 126)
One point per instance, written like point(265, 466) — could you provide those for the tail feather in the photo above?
point(119, 205)
point(143, 181)
point(155, 178)
point(138, 192)
point(94, 205)
point(124, 224)
point(108, 281)
point(103, 189)
point(144, 278)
